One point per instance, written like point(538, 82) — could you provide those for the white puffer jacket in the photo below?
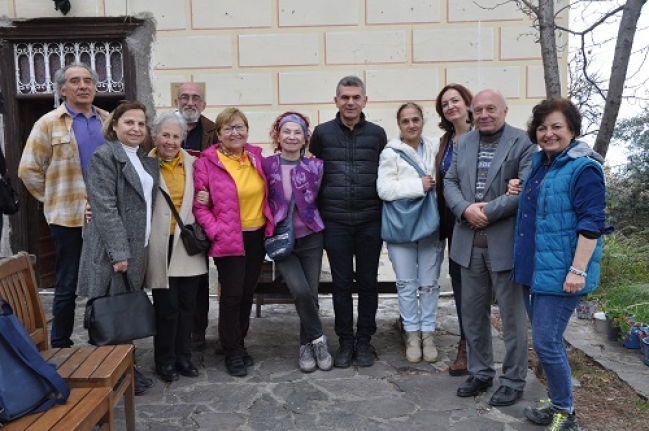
point(396, 178)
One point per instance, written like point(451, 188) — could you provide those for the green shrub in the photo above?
point(625, 261)
point(624, 285)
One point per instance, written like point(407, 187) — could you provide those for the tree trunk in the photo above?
point(549, 51)
point(623, 47)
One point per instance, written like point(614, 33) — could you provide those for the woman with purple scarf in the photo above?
point(291, 176)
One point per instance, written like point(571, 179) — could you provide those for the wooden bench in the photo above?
point(82, 367)
point(271, 288)
point(86, 408)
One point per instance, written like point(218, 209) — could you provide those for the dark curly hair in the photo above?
point(274, 130)
point(547, 107)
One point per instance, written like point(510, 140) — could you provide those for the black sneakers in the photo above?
point(344, 356)
point(365, 354)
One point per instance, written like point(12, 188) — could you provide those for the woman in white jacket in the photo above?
point(417, 264)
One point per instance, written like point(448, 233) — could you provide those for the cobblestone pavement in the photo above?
point(391, 395)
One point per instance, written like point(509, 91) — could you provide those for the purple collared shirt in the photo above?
point(87, 132)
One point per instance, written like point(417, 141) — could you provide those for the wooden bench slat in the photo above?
point(90, 364)
point(53, 416)
point(88, 412)
point(67, 368)
point(120, 360)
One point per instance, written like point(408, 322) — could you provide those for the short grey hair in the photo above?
point(169, 117)
point(351, 81)
point(59, 77)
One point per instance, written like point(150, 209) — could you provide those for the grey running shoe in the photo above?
point(307, 361)
point(322, 355)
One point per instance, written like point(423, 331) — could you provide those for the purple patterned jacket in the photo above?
point(305, 182)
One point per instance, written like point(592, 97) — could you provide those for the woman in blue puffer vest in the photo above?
point(558, 244)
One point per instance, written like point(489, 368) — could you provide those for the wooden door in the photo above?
point(25, 83)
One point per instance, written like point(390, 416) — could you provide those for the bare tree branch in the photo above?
point(623, 48)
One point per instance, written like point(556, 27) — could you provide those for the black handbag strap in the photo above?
point(411, 162)
point(127, 283)
point(173, 209)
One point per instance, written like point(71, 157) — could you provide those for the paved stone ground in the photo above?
point(391, 395)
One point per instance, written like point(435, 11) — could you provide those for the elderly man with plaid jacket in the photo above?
point(52, 168)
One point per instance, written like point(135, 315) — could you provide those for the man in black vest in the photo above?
point(351, 209)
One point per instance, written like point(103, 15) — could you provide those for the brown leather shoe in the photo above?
point(458, 367)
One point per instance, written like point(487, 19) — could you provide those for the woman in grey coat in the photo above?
point(120, 183)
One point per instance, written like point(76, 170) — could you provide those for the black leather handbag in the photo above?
point(119, 318)
point(192, 235)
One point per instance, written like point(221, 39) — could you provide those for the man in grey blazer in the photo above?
point(483, 244)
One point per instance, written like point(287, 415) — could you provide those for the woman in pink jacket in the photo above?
point(236, 221)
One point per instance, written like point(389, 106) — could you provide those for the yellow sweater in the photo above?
point(173, 174)
point(250, 190)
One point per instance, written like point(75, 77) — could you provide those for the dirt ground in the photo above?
point(603, 401)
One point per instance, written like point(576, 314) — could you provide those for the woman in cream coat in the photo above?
point(172, 274)
point(416, 265)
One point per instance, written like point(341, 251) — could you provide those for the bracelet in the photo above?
point(577, 272)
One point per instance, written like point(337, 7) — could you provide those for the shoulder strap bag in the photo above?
point(28, 384)
point(193, 236)
point(280, 245)
point(409, 220)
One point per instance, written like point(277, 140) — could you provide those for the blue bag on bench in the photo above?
point(28, 384)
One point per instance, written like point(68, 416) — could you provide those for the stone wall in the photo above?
point(269, 56)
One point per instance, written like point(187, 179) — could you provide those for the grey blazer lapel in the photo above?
point(128, 170)
point(504, 147)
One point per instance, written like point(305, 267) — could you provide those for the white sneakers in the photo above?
point(413, 346)
point(420, 344)
point(428, 346)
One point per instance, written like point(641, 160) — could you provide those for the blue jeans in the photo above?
point(417, 266)
point(550, 316)
point(67, 245)
point(344, 242)
point(301, 271)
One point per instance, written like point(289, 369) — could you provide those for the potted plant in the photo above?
point(586, 308)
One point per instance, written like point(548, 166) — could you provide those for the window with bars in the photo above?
point(36, 63)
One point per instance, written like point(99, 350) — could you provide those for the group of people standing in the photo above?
point(329, 184)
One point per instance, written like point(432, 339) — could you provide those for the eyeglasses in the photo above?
point(186, 98)
point(228, 130)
